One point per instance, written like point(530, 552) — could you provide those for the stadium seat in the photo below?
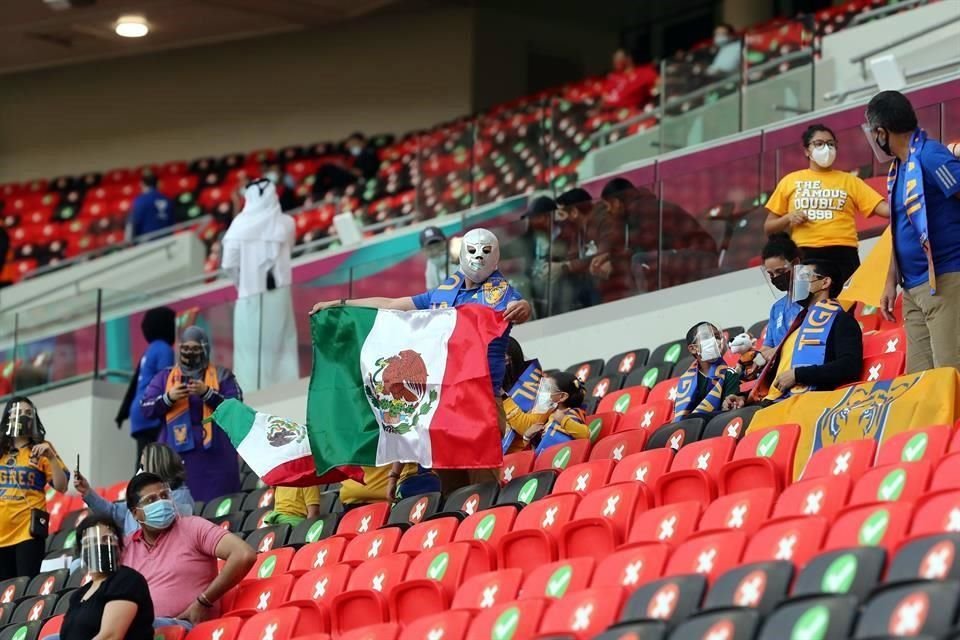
point(910, 610)
point(583, 614)
point(487, 590)
point(21, 631)
point(285, 622)
point(364, 600)
point(694, 472)
point(931, 557)
point(794, 539)
point(736, 624)
point(223, 628)
point(665, 390)
point(646, 466)
point(272, 563)
point(556, 579)
point(449, 624)
point(384, 631)
point(51, 626)
point(319, 586)
point(514, 619)
point(672, 523)
point(584, 477)
point(876, 524)
point(232, 522)
point(820, 496)
point(902, 481)
point(562, 455)
point(649, 416)
point(533, 540)
point(363, 519)
point(936, 512)
point(669, 352)
point(49, 582)
point(763, 458)
point(261, 595)
point(676, 434)
point(415, 508)
point(888, 341)
point(255, 519)
point(484, 529)
point(265, 539)
point(708, 555)
point(733, 424)
point(746, 511)
point(626, 362)
point(317, 554)
point(945, 475)
point(223, 505)
point(885, 366)
point(760, 586)
point(37, 608)
point(602, 425)
point(474, 497)
point(648, 376)
point(516, 465)
point(851, 458)
point(669, 599)
point(599, 387)
point(258, 499)
point(373, 544)
point(624, 400)
point(820, 617)
point(529, 488)
point(618, 445)
point(428, 534)
point(602, 520)
point(854, 570)
point(587, 369)
point(916, 445)
point(631, 566)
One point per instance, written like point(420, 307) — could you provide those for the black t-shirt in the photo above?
point(83, 618)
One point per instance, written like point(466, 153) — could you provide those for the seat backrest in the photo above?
point(931, 557)
point(672, 523)
point(777, 443)
point(887, 341)
point(632, 566)
point(706, 455)
point(820, 496)
point(314, 529)
point(365, 518)
point(846, 458)
point(936, 512)
point(415, 508)
point(258, 499)
point(677, 435)
point(556, 579)
point(649, 416)
point(523, 617)
point(671, 598)
point(586, 369)
point(449, 624)
point(833, 614)
point(549, 514)
point(281, 623)
point(794, 540)
point(928, 444)
point(624, 363)
point(489, 525)
point(429, 534)
point(760, 585)
point(708, 555)
point(261, 595)
point(562, 455)
point(318, 554)
point(602, 424)
point(321, 585)
point(379, 574)
point(528, 488)
point(600, 386)
point(945, 474)
point(266, 538)
point(882, 525)
point(665, 390)
point(901, 481)
point(489, 589)
point(271, 563)
point(223, 505)
point(225, 628)
point(372, 544)
point(735, 624)
point(885, 366)
point(622, 401)
point(619, 445)
point(48, 582)
point(516, 465)
point(584, 477)
point(645, 466)
point(586, 612)
point(910, 610)
point(449, 565)
point(617, 503)
point(745, 510)
point(474, 497)
point(648, 376)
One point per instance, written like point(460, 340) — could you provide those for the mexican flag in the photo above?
point(394, 386)
point(276, 449)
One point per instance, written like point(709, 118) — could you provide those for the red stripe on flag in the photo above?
point(302, 472)
point(464, 433)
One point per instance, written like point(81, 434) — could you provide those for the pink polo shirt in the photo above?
point(179, 566)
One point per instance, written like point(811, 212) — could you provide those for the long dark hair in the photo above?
point(6, 442)
point(570, 385)
point(163, 461)
point(516, 364)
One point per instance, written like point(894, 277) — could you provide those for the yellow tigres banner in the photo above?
point(875, 410)
point(866, 283)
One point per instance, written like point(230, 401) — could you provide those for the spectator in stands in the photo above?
point(28, 462)
point(518, 420)
point(362, 164)
point(285, 184)
point(183, 396)
point(151, 210)
point(780, 256)
point(159, 329)
point(433, 245)
point(708, 382)
point(729, 46)
point(479, 257)
point(924, 188)
point(823, 348)
point(178, 555)
point(365, 161)
point(577, 240)
point(116, 602)
point(817, 205)
point(293, 505)
point(161, 461)
point(556, 417)
point(629, 85)
point(373, 489)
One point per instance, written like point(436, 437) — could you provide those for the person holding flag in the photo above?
point(923, 185)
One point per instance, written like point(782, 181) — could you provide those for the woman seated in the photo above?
point(116, 603)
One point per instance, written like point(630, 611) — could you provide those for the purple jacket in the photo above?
point(212, 472)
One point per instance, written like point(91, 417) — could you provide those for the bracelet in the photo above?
point(204, 602)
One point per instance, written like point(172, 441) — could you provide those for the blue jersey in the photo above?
point(941, 183)
point(151, 211)
point(497, 351)
point(157, 357)
point(782, 314)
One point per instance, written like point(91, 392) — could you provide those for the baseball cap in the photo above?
point(431, 235)
point(574, 196)
point(541, 204)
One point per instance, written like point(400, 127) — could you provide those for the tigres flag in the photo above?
point(875, 410)
point(866, 284)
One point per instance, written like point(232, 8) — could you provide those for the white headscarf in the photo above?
point(258, 241)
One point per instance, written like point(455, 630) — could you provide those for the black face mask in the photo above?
point(885, 145)
point(781, 281)
point(191, 360)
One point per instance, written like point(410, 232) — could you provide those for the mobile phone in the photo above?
point(78, 463)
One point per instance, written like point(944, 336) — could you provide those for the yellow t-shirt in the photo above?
point(374, 488)
point(293, 501)
point(22, 484)
point(829, 199)
point(785, 364)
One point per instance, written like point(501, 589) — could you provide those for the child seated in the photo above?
point(556, 416)
point(709, 381)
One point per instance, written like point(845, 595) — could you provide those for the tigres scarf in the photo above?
point(687, 389)
point(553, 433)
point(179, 428)
point(914, 201)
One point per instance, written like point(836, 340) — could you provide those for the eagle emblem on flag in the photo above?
point(397, 391)
point(281, 432)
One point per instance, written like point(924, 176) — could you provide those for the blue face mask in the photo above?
point(159, 515)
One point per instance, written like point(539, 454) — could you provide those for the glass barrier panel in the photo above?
point(8, 340)
point(702, 98)
point(444, 172)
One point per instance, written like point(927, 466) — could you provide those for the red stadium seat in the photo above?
point(225, 628)
point(584, 477)
point(649, 416)
point(694, 472)
point(52, 626)
point(764, 458)
point(560, 456)
point(261, 595)
point(364, 519)
point(632, 566)
point(881, 525)
point(320, 586)
point(271, 563)
point(665, 391)
point(449, 624)
point(533, 540)
point(793, 539)
point(602, 424)
point(384, 631)
point(364, 601)
point(317, 554)
point(484, 529)
point(373, 544)
point(888, 341)
point(619, 445)
point(885, 366)
point(847, 458)
point(945, 475)
point(285, 622)
point(583, 614)
point(672, 523)
point(522, 618)
point(488, 590)
point(903, 481)
point(929, 443)
point(428, 534)
point(432, 579)
point(937, 512)
point(823, 496)
point(646, 466)
point(556, 579)
point(708, 555)
point(623, 400)
point(516, 465)
point(603, 519)
point(746, 511)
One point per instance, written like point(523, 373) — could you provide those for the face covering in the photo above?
point(21, 421)
point(545, 393)
point(710, 349)
point(479, 254)
point(885, 145)
point(159, 515)
point(721, 39)
point(99, 550)
point(438, 261)
point(824, 156)
point(272, 176)
point(781, 281)
point(803, 277)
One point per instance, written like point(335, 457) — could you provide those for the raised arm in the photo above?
point(396, 304)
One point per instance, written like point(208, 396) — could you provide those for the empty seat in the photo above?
point(365, 518)
point(746, 511)
point(318, 554)
point(266, 538)
point(258, 499)
point(285, 622)
point(928, 444)
point(373, 544)
point(708, 555)
point(472, 498)
point(626, 362)
point(48, 582)
point(320, 586)
point(902, 481)
point(632, 566)
point(224, 628)
point(602, 424)
point(878, 525)
point(314, 529)
point(600, 386)
point(760, 586)
point(556, 579)
point(763, 458)
point(602, 520)
point(433, 577)
point(271, 563)
point(484, 529)
point(694, 471)
point(932, 557)
point(364, 600)
point(584, 477)
point(648, 376)
point(847, 458)
point(937, 512)
point(223, 505)
point(646, 466)
point(732, 424)
point(261, 595)
point(945, 474)
point(516, 465)
point(855, 570)
point(624, 400)
point(428, 534)
point(670, 599)
point(448, 624)
point(415, 508)
point(619, 445)
point(821, 617)
point(533, 540)
point(487, 590)
point(910, 610)
point(649, 416)
point(794, 539)
point(523, 618)
point(885, 366)
point(529, 488)
point(672, 523)
point(587, 369)
point(669, 352)
point(735, 624)
point(821, 496)
point(583, 614)
point(664, 390)
point(675, 435)
point(562, 455)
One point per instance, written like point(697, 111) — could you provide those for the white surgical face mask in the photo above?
point(710, 349)
point(824, 156)
point(721, 39)
point(479, 254)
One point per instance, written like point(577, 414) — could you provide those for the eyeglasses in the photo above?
point(819, 144)
point(150, 498)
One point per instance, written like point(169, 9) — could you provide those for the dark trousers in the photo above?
point(847, 259)
point(143, 438)
point(22, 559)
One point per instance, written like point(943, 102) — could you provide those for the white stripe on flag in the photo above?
point(427, 333)
point(261, 455)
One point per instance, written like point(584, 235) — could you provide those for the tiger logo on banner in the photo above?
point(877, 410)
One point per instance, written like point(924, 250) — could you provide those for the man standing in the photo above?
point(923, 185)
point(433, 245)
point(151, 211)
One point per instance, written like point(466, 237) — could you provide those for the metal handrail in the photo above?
point(775, 62)
point(861, 58)
point(910, 73)
point(882, 11)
